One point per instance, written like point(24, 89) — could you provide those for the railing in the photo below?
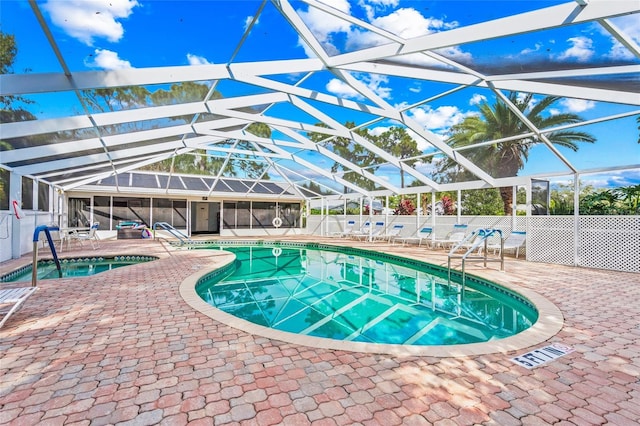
point(173, 231)
point(36, 239)
point(476, 240)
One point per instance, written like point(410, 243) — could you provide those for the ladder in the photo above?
point(477, 240)
point(173, 231)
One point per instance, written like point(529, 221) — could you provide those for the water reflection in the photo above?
point(343, 296)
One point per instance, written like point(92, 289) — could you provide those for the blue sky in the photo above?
point(113, 34)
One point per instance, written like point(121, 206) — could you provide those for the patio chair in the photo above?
point(514, 241)
point(454, 237)
point(423, 234)
point(90, 235)
point(393, 233)
point(364, 230)
point(11, 300)
point(348, 229)
point(376, 231)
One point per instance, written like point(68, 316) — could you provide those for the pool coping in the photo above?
point(549, 323)
point(21, 268)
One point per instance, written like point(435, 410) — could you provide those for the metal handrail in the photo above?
point(477, 237)
point(173, 231)
point(36, 239)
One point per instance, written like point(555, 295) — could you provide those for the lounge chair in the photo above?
point(393, 233)
point(514, 241)
point(364, 230)
point(11, 300)
point(454, 237)
point(376, 231)
point(423, 234)
point(348, 229)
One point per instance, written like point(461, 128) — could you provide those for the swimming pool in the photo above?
point(360, 297)
point(74, 267)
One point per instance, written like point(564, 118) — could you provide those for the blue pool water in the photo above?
point(76, 267)
point(352, 295)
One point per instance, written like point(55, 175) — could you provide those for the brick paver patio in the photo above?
point(122, 347)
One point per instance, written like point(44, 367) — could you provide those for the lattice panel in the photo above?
point(551, 240)
point(605, 242)
point(611, 242)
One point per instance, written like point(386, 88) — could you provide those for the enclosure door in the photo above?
point(205, 217)
point(202, 217)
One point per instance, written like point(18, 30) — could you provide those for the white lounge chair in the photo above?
point(376, 231)
point(514, 241)
point(348, 229)
point(423, 234)
point(364, 230)
point(454, 237)
point(392, 234)
point(11, 300)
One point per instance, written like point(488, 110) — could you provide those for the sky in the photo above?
point(114, 34)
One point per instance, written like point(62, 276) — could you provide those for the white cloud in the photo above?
point(342, 89)
point(441, 118)
point(477, 99)
point(197, 60)
point(108, 60)
point(89, 19)
point(374, 82)
point(537, 48)
point(406, 23)
point(581, 49)
point(371, 6)
point(577, 105)
point(416, 88)
point(247, 22)
point(323, 25)
point(629, 26)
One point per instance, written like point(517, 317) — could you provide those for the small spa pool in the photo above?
point(74, 267)
point(356, 295)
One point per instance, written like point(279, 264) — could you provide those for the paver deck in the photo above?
point(123, 347)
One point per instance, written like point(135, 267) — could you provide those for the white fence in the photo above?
point(604, 242)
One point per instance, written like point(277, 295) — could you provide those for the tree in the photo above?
point(482, 202)
point(497, 121)
point(397, 141)
point(353, 152)
point(12, 109)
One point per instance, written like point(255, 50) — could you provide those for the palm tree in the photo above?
point(497, 121)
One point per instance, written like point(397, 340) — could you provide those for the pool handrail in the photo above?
point(36, 238)
point(475, 240)
point(173, 231)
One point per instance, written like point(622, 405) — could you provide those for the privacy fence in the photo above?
point(604, 242)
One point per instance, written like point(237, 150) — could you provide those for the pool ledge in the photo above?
point(550, 321)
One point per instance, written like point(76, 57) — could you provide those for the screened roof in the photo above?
point(306, 94)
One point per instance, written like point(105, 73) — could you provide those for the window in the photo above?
point(27, 193)
point(80, 214)
point(132, 209)
point(290, 215)
point(4, 189)
point(263, 214)
point(173, 212)
point(43, 197)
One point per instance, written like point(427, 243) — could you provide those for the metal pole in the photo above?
point(34, 265)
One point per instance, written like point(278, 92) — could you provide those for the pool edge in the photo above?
point(549, 323)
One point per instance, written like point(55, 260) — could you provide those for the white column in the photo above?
point(15, 194)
